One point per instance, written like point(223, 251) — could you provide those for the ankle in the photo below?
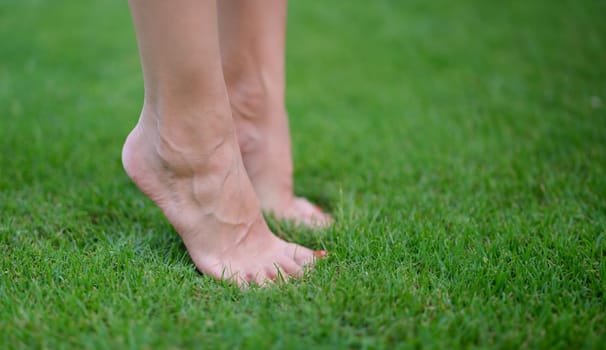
point(187, 126)
point(255, 97)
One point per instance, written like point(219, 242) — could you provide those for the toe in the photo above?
point(236, 278)
point(291, 268)
point(301, 255)
point(240, 281)
point(278, 273)
point(231, 274)
point(262, 279)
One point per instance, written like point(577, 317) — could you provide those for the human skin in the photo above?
point(184, 153)
point(252, 41)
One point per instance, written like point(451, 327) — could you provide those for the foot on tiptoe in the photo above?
point(264, 140)
point(198, 180)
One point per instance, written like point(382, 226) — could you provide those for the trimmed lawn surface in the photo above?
point(461, 147)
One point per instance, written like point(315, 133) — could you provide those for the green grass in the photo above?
point(460, 145)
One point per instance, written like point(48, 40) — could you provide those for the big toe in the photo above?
point(304, 256)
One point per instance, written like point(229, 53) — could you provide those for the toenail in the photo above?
point(320, 253)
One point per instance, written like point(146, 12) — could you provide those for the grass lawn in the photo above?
point(461, 147)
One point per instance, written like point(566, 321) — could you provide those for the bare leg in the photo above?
point(183, 152)
point(252, 35)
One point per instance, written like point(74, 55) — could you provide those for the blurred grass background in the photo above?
point(461, 147)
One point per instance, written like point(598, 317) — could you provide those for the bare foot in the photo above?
point(205, 193)
point(252, 41)
point(268, 161)
point(266, 152)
